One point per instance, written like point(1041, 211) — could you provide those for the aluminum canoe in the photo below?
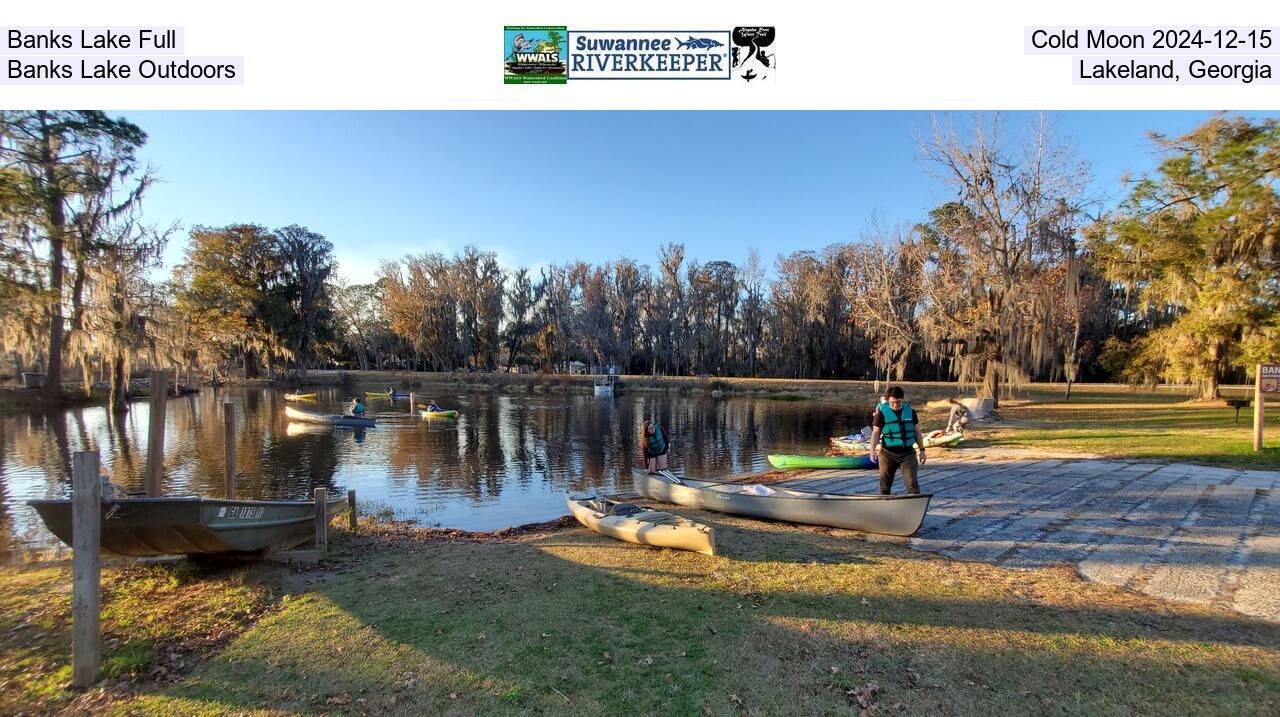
point(890, 515)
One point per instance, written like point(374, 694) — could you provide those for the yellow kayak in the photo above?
point(635, 524)
point(439, 414)
point(299, 397)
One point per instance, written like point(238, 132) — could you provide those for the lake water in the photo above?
point(507, 459)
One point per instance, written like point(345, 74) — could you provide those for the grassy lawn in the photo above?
point(156, 620)
point(1136, 425)
point(790, 621)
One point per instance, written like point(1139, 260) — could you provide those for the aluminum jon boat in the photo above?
point(191, 525)
point(298, 414)
point(887, 514)
point(636, 524)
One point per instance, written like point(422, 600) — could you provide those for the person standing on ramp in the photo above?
point(896, 442)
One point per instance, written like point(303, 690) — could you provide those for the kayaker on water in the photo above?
point(654, 439)
point(896, 442)
point(434, 407)
point(357, 407)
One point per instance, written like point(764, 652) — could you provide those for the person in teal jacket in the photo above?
point(896, 442)
point(653, 439)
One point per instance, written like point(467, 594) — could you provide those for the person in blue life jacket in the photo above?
point(434, 407)
point(357, 407)
point(896, 442)
point(653, 439)
point(391, 390)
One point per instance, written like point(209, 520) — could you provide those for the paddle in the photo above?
point(671, 477)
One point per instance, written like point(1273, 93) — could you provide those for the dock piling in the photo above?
point(86, 569)
point(352, 516)
point(322, 521)
point(229, 447)
point(155, 433)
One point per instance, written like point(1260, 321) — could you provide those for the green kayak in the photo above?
point(789, 462)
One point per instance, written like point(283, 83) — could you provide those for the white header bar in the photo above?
point(928, 54)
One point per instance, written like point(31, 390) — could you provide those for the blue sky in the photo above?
point(544, 187)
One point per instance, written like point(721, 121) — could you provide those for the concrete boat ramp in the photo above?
point(1175, 531)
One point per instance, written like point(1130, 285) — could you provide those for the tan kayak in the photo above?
point(635, 524)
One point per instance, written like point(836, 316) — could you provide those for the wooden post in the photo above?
point(229, 448)
point(351, 510)
point(1258, 398)
point(413, 403)
point(322, 521)
point(155, 435)
point(86, 569)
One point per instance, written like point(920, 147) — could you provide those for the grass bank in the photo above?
point(790, 620)
point(1151, 426)
point(157, 621)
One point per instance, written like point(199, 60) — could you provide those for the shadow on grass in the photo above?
point(575, 622)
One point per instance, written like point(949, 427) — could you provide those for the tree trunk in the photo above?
point(991, 374)
point(53, 197)
point(1209, 390)
point(86, 377)
point(53, 372)
point(119, 386)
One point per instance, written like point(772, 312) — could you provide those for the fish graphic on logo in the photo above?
point(698, 43)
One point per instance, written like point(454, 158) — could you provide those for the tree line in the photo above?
point(1013, 278)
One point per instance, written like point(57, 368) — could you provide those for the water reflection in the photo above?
point(505, 460)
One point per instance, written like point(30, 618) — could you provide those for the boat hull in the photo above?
point(300, 397)
point(792, 462)
point(298, 414)
point(439, 414)
point(844, 445)
point(943, 441)
point(889, 515)
point(654, 528)
point(193, 526)
point(848, 446)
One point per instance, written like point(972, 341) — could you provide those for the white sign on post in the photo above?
point(1269, 377)
point(1268, 381)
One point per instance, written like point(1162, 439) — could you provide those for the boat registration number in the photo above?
point(241, 511)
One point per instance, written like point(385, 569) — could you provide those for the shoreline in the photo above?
point(801, 388)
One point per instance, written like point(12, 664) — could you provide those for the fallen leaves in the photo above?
point(865, 695)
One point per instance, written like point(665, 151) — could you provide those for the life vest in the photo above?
point(657, 442)
point(899, 431)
